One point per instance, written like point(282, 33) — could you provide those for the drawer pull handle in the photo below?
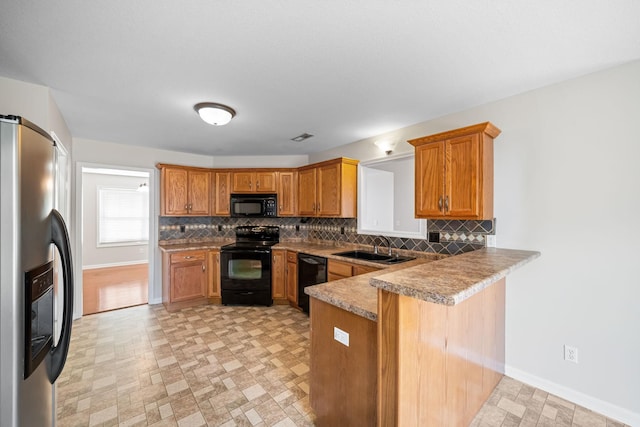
point(188, 257)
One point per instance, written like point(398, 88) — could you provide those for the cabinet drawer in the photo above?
point(187, 256)
point(292, 256)
point(340, 268)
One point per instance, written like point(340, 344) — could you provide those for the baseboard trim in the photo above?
point(114, 264)
point(600, 406)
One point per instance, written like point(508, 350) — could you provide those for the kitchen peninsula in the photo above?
point(431, 355)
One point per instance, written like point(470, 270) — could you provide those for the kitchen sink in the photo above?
point(374, 257)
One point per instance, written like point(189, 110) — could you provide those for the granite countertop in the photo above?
point(355, 294)
point(452, 280)
point(193, 245)
point(447, 281)
point(431, 277)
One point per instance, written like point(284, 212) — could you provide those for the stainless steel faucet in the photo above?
point(375, 246)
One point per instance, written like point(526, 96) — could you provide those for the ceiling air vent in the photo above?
point(301, 137)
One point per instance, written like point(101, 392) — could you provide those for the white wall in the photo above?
point(260, 161)
point(92, 255)
point(567, 178)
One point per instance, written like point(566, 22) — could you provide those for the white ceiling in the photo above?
point(130, 71)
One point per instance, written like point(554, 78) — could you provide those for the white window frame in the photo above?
point(144, 225)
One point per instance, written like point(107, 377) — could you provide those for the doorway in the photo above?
point(115, 238)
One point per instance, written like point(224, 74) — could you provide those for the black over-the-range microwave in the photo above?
point(254, 205)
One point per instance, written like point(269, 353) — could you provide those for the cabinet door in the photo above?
point(337, 270)
point(265, 182)
point(243, 182)
point(199, 193)
point(362, 269)
point(307, 192)
point(188, 281)
point(463, 164)
point(429, 186)
point(292, 282)
point(174, 191)
point(222, 193)
point(286, 194)
point(278, 266)
point(214, 273)
point(329, 190)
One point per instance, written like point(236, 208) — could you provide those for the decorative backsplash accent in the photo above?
point(455, 236)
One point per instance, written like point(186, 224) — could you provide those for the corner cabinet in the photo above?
point(287, 185)
point(328, 189)
point(184, 191)
point(221, 193)
point(454, 173)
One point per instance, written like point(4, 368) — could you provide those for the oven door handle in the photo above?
point(245, 251)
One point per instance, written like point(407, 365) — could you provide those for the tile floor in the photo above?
point(229, 366)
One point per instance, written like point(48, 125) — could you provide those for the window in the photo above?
point(123, 217)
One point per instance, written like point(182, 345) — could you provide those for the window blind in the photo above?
point(123, 216)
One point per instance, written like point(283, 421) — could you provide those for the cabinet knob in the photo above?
point(203, 267)
point(257, 185)
point(446, 204)
point(440, 203)
point(249, 184)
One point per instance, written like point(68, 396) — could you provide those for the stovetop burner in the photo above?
point(251, 236)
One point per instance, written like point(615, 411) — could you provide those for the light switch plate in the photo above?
point(341, 336)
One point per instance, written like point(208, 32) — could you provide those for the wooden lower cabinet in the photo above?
point(278, 279)
point(444, 377)
point(184, 279)
point(343, 380)
point(292, 278)
point(337, 270)
point(213, 262)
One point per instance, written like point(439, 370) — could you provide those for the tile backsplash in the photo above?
point(454, 236)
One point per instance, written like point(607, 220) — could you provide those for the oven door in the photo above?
point(245, 276)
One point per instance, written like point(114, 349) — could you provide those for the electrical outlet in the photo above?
point(341, 336)
point(183, 228)
point(570, 354)
point(491, 240)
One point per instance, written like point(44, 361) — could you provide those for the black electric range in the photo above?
point(245, 266)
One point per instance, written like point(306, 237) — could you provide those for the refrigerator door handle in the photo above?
point(60, 238)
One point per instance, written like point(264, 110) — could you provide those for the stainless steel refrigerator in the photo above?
point(31, 356)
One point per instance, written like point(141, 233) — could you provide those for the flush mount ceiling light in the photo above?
point(386, 145)
point(214, 114)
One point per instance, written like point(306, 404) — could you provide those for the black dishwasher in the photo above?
point(311, 271)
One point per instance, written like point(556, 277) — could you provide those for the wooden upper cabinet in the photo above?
point(307, 192)
point(199, 193)
point(221, 188)
point(287, 184)
point(429, 173)
point(254, 181)
point(454, 173)
point(184, 191)
point(328, 189)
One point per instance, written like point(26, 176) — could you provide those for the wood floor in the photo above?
point(111, 288)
